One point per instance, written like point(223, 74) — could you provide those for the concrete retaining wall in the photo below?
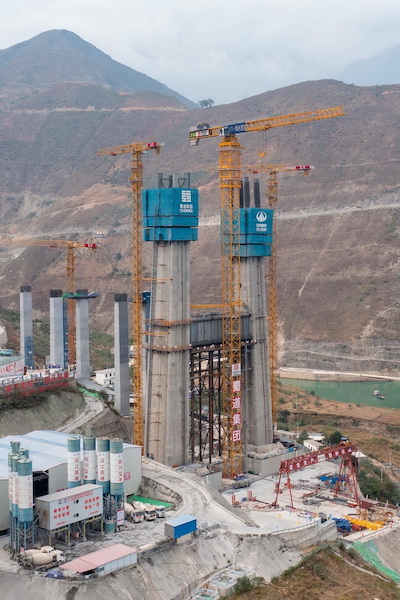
point(310, 535)
point(150, 488)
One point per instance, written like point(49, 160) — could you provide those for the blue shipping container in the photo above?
point(180, 526)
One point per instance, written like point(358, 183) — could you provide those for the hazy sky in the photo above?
point(220, 49)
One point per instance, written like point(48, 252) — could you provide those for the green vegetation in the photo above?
point(334, 438)
point(244, 584)
point(375, 484)
point(283, 415)
point(41, 339)
point(101, 356)
point(303, 436)
point(11, 316)
point(18, 401)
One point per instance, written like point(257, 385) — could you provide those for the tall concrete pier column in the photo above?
point(121, 354)
point(82, 335)
point(170, 220)
point(167, 422)
point(256, 226)
point(57, 356)
point(26, 327)
point(257, 407)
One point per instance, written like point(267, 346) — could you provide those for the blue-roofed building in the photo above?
point(49, 454)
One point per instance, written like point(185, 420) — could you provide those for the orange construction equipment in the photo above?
point(136, 179)
point(71, 246)
point(230, 183)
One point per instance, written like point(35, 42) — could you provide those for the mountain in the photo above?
point(60, 56)
point(380, 69)
point(338, 228)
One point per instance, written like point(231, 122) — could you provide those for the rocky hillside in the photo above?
point(338, 228)
point(60, 56)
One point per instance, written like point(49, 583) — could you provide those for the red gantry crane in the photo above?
point(136, 179)
point(229, 183)
point(71, 246)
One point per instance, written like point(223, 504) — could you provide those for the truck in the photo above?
point(150, 513)
point(160, 511)
point(137, 515)
point(134, 514)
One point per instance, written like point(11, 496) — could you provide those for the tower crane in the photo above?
point(71, 246)
point(136, 179)
point(229, 183)
point(272, 297)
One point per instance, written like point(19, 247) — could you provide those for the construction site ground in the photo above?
point(227, 536)
point(303, 482)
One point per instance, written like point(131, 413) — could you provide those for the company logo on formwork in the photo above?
point(261, 216)
point(186, 196)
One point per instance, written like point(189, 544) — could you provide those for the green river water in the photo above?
point(354, 392)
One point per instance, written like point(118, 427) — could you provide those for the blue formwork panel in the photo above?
point(257, 238)
point(170, 234)
point(253, 250)
point(170, 207)
point(256, 220)
point(250, 238)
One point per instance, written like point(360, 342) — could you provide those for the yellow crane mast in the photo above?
point(272, 295)
point(136, 179)
point(71, 246)
point(229, 182)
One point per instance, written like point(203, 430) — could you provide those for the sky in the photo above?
point(225, 50)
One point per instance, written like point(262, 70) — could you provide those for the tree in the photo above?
point(335, 438)
point(206, 103)
point(283, 415)
point(303, 436)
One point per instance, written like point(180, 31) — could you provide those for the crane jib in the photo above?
point(233, 129)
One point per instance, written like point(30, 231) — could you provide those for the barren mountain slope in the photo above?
point(338, 228)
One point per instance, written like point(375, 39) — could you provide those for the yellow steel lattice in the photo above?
point(136, 179)
point(229, 181)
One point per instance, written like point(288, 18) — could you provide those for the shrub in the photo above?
point(244, 584)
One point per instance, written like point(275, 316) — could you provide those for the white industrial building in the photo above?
point(104, 561)
point(48, 451)
point(312, 445)
point(105, 377)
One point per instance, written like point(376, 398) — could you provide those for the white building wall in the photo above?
point(132, 469)
point(105, 377)
point(58, 478)
point(312, 445)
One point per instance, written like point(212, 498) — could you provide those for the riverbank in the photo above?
point(319, 375)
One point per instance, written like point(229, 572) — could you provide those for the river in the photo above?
point(354, 391)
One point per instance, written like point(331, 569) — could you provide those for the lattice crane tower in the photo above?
point(136, 179)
